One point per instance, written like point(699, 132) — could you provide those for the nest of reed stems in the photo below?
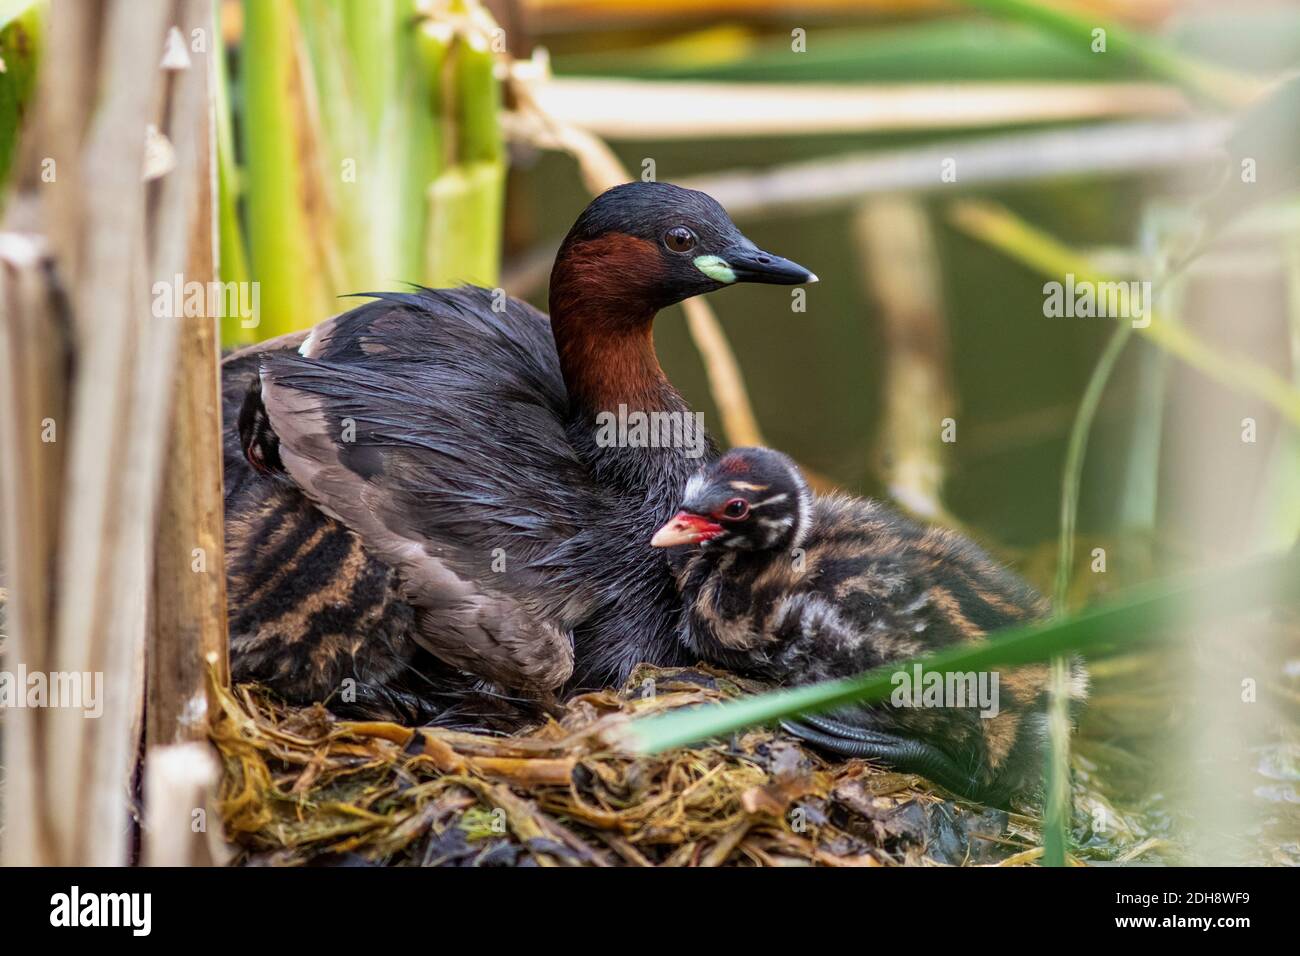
point(304, 788)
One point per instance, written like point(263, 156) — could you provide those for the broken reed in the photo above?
point(96, 589)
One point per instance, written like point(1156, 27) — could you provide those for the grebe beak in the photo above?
point(755, 265)
point(685, 528)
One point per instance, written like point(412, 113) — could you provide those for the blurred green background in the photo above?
point(363, 144)
point(461, 119)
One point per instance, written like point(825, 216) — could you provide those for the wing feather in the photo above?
point(433, 427)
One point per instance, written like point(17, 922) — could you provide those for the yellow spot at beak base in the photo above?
point(715, 267)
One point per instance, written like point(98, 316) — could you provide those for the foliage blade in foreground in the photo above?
point(1134, 617)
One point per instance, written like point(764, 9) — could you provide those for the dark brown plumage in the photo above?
point(433, 458)
point(798, 589)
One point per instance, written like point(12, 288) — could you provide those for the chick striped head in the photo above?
point(750, 499)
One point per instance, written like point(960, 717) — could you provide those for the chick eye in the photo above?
point(679, 239)
point(735, 509)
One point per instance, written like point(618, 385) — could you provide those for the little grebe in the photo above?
point(429, 470)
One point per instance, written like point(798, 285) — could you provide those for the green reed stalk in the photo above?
point(1056, 806)
point(373, 149)
point(21, 39)
point(1277, 521)
point(279, 236)
point(232, 257)
point(466, 199)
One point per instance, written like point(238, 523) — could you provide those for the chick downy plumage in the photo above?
point(798, 588)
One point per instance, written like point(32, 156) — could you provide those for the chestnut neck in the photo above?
point(603, 326)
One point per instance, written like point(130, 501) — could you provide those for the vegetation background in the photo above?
point(936, 164)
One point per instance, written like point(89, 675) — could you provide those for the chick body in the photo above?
point(852, 586)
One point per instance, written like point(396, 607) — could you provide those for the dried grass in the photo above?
point(302, 788)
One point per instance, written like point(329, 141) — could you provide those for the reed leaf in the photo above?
point(1139, 615)
point(1056, 809)
point(1212, 83)
point(939, 50)
point(1035, 248)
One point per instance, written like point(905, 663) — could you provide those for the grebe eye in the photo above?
point(679, 239)
point(735, 509)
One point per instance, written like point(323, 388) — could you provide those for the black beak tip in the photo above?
point(807, 277)
point(766, 268)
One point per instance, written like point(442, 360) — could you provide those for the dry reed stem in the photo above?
point(897, 247)
point(180, 784)
point(626, 109)
point(1112, 148)
point(113, 238)
point(111, 483)
point(189, 610)
point(35, 350)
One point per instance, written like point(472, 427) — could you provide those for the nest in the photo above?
point(303, 788)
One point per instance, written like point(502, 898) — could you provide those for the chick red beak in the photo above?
point(685, 528)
